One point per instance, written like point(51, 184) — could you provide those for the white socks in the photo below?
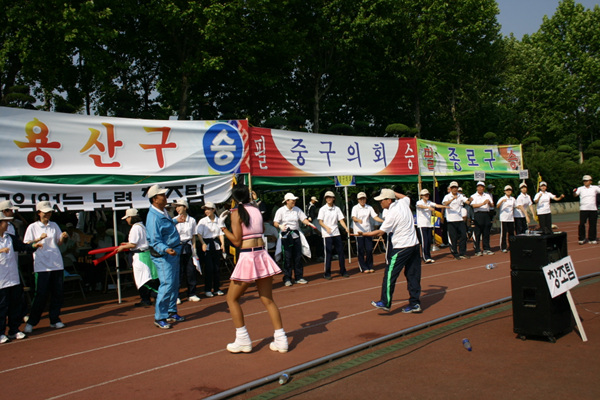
point(242, 343)
point(280, 342)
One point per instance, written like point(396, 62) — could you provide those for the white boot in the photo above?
point(242, 343)
point(280, 342)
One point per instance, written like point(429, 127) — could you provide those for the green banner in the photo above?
point(447, 159)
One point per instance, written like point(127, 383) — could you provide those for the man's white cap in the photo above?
point(329, 193)
point(44, 206)
point(386, 194)
point(7, 205)
point(424, 191)
point(542, 183)
point(587, 178)
point(313, 198)
point(289, 196)
point(132, 212)
point(154, 190)
point(480, 184)
point(208, 204)
point(361, 195)
point(459, 189)
point(507, 187)
point(453, 184)
point(181, 202)
point(5, 218)
point(523, 184)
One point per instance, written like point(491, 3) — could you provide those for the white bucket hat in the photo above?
point(7, 205)
point(154, 190)
point(329, 193)
point(44, 206)
point(361, 195)
point(386, 194)
point(208, 204)
point(453, 184)
point(587, 178)
point(181, 202)
point(507, 187)
point(289, 196)
point(132, 212)
point(424, 192)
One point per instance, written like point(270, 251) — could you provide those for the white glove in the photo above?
point(224, 214)
point(224, 255)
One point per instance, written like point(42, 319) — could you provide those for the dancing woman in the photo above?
point(254, 265)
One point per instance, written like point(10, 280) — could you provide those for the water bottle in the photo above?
point(284, 378)
point(490, 266)
point(467, 344)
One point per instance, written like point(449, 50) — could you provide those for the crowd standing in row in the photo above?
point(166, 248)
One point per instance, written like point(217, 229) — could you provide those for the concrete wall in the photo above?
point(563, 207)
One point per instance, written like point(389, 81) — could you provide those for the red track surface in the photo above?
point(111, 350)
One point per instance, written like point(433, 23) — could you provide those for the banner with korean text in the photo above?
point(25, 195)
point(447, 159)
point(278, 153)
point(38, 143)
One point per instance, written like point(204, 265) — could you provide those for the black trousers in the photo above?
point(457, 234)
point(10, 306)
point(545, 223)
point(47, 283)
point(187, 269)
point(520, 225)
point(408, 259)
point(426, 238)
point(507, 230)
point(481, 233)
point(364, 246)
point(592, 217)
point(292, 258)
point(212, 262)
point(330, 243)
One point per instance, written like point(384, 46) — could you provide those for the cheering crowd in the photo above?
point(168, 251)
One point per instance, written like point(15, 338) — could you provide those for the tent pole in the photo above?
point(114, 214)
point(348, 225)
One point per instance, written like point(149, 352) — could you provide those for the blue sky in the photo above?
point(525, 16)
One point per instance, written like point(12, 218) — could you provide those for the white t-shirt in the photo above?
point(289, 217)
point(186, 229)
point(587, 197)
point(9, 270)
point(424, 214)
point(507, 208)
point(364, 214)
point(522, 200)
point(543, 202)
point(210, 229)
point(330, 217)
point(454, 213)
point(399, 221)
point(48, 258)
point(137, 236)
point(480, 199)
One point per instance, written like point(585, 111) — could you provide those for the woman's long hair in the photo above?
point(241, 195)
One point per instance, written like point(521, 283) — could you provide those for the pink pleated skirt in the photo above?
point(253, 265)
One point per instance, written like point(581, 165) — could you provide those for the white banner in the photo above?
point(560, 276)
point(46, 143)
point(88, 197)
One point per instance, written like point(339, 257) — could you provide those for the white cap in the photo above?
point(313, 198)
point(289, 196)
point(523, 184)
point(507, 187)
point(542, 183)
point(132, 212)
point(208, 204)
point(453, 184)
point(424, 191)
point(361, 195)
point(386, 194)
point(5, 218)
point(181, 202)
point(480, 184)
point(44, 206)
point(329, 193)
point(154, 190)
point(587, 178)
point(7, 205)
point(459, 189)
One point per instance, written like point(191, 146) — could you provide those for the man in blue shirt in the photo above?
point(165, 249)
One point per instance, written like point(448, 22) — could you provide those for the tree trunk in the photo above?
point(316, 107)
point(455, 118)
point(418, 116)
point(183, 99)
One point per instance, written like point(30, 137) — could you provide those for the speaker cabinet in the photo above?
point(535, 313)
point(532, 252)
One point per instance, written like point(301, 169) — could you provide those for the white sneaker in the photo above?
point(288, 283)
point(28, 328)
point(178, 301)
point(593, 242)
point(194, 298)
point(18, 336)
point(302, 281)
point(220, 293)
point(280, 347)
point(235, 347)
point(430, 261)
point(57, 325)
point(4, 339)
point(209, 294)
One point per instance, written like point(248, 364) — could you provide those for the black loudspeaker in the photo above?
point(532, 252)
point(535, 313)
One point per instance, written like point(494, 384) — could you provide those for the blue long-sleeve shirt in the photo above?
point(161, 231)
